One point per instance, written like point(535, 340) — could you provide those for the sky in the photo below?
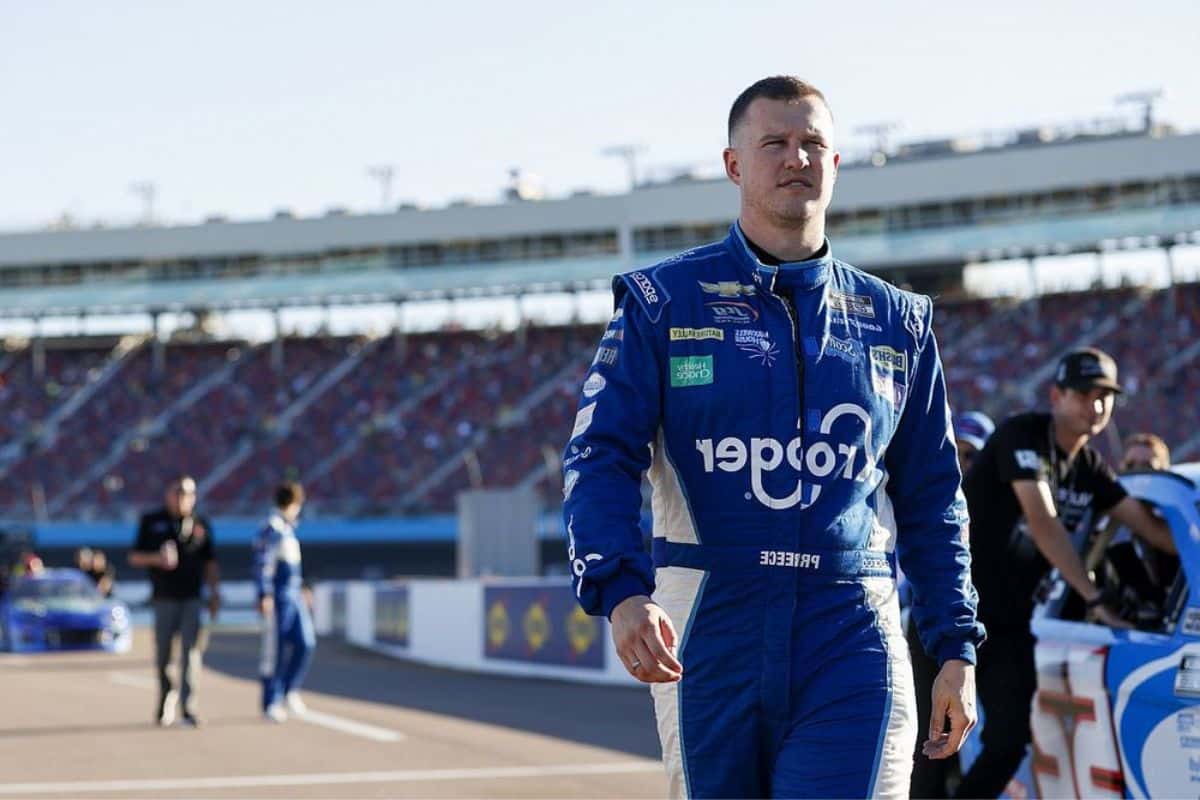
point(242, 108)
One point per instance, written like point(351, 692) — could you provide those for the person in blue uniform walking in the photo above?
point(288, 637)
point(790, 411)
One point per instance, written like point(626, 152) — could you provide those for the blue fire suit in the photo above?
point(288, 639)
point(794, 426)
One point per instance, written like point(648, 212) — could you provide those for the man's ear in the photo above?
point(733, 169)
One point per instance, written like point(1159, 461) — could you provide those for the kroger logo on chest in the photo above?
point(824, 457)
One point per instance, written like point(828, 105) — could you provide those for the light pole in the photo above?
point(384, 173)
point(629, 154)
point(147, 191)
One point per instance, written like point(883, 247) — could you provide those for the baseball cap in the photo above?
point(1087, 368)
point(974, 428)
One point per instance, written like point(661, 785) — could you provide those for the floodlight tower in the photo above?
point(147, 191)
point(384, 173)
point(881, 132)
point(1143, 100)
point(629, 154)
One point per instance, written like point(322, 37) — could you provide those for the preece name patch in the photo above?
point(691, 371)
point(860, 305)
point(788, 558)
point(697, 334)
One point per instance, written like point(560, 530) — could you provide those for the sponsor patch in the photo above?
point(883, 385)
point(857, 324)
point(648, 290)
point(758, 345)
point(577, 455)
point(697, 334)
point(1027, 459)
point(916, 320)
point(731, 289)
point(594, 385)
point(691, 371)
point(583, 420)
point(606, 355)
point(848, 350)
point(888, 359)
point(1191, 622)
point(615, 334)
point(860, 305)
point(569, 481)
point(733, 312)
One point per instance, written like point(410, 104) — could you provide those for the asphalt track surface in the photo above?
point(79, 725)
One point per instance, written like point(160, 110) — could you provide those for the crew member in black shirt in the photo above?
point(176, 545)
point(1034, 483)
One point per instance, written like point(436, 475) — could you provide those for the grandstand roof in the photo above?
point(1072, 164)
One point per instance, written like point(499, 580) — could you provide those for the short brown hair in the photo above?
point(287, 493)
point(1151, 440)
point(776, 87)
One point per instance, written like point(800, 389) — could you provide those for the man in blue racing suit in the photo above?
point(792, 415)
point(288, 637)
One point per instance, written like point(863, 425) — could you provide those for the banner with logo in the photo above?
point(541, 625)
point(391, 616)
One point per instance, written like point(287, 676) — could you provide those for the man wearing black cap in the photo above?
point(1035, 482)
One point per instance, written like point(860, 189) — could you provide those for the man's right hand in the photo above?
point(266, 605)
point(645, 640)
point(1104, 615)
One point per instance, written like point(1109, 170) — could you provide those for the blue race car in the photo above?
point(1117, 712)
point(61, 609)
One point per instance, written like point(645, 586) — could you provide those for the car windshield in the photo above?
point(29, 589)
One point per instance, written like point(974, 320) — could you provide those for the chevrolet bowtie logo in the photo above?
point(727, 288)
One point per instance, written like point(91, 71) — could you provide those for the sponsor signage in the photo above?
point(391, 616)
point(691, 371)
point(540, 625)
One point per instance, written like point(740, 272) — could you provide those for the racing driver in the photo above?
point(792, 415)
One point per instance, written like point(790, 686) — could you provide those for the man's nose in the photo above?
point(797, 158)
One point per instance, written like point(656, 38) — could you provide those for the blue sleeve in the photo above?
point(264, 561)
point(604, 461)
point(931, 512)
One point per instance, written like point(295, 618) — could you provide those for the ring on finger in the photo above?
point(635, 665)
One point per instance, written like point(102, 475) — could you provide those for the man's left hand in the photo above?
point(953, 699)
point(214, 605)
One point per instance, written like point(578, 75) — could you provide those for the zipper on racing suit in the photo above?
point(798, 349)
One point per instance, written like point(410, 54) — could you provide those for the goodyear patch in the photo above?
point(697, 334)
point(888, 359)
point(691, 371)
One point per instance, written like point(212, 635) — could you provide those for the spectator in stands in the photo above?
point(176, 545)
point(1035, 482)
point(1144, 451)
point(930, 776)
point(288, 638)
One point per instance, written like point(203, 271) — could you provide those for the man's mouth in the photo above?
point(796, 183)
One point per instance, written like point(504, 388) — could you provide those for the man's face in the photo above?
point(966, 456)
point(1141, 457)
point(783, 160)
point(1081, 412)
point(181, 498)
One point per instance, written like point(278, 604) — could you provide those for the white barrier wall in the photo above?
point(531, 628)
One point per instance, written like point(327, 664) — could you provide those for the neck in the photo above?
point(797, 243)
point(1070, 443)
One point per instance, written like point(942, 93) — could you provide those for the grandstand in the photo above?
point(395, 423)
